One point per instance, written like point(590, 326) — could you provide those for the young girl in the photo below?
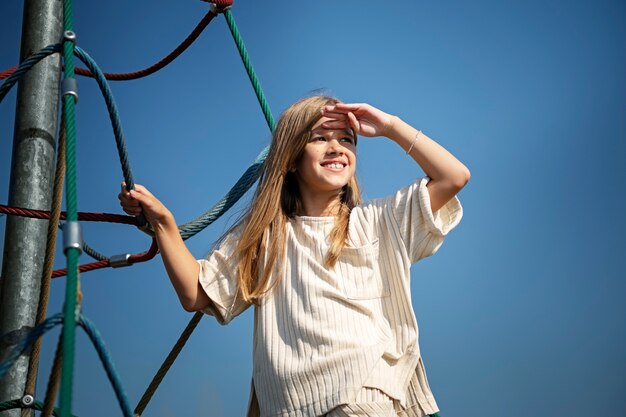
point(334, 330)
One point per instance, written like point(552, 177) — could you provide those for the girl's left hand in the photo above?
point(364, 119)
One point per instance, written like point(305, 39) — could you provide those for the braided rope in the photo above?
point(137, 258)
point(54, 380)
point(44, 291)
point(251, 74)
point(163, 62)
point(94, 253)
point(7, 72)
point(248, 178)
point(189, 40)
point(113, 114)
point(167, 364)
point(82, 215)
point(24, 343)
point(26, 65)
point(83, 268)
point(71, 198)
point(37, 405)
point(242, 185)
point(105, 358)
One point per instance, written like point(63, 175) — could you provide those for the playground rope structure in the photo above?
point(71, 316)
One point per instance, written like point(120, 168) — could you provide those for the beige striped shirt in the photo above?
point(322, 334)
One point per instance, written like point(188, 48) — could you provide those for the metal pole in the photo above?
point(32, 170)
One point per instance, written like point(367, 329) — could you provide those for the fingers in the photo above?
point(349, 120)
point(345, 107)
point(354, 122)
point(336, 124)
point(334, 114)
point(141, 201)
point(131, 200)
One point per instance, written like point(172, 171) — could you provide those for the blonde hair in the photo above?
point(261, 238)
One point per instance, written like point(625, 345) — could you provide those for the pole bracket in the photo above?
point(70, 86)
point(27, 400)
point(72, 236)
point(120, 261)
point(70, 36)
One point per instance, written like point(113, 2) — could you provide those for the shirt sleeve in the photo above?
point(421, 231)
point(218, 278)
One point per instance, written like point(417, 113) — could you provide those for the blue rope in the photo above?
point(22, 345)
point(242, 185)
point(113, 113)
point(115, 121)
point(189, 229)
point(106, 360)
point(195, 226)
point(26, 65)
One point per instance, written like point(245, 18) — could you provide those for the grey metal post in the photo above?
point(32, 170)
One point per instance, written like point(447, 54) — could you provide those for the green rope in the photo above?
point(72, 254)
point(251, 74)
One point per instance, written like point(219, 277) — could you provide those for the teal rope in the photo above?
point(72, 254)
point(251, 74)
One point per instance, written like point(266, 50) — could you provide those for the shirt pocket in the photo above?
point(359, 273)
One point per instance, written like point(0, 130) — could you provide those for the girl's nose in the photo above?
point(334, 147)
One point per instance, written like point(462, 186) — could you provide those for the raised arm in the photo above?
point(180, 264)
point(448, 175)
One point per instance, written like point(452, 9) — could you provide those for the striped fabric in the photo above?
point(369, 402)
point(323, 334)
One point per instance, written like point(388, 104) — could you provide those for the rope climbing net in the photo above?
point(62, 369)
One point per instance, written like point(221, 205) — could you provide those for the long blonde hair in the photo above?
point(261, 241)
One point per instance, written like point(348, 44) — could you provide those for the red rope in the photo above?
point(221, 3)
point(159, 65)
point(93, 217)
point(6, 73)
point(83, 268)
point(146, 256)
point(134, 259)
point(86, 216)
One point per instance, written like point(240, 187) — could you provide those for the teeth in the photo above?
point(335, 166)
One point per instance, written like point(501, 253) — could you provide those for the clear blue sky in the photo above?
point(523, 310)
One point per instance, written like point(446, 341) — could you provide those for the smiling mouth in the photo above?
point(334, 166)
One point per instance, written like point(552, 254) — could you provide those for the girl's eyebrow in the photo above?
point(346, 130)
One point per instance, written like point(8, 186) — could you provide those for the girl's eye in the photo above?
point(348, 139)
point(319, 138)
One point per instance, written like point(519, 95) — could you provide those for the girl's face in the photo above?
point(328, 161)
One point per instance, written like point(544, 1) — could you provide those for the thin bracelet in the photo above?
point(414, 140)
